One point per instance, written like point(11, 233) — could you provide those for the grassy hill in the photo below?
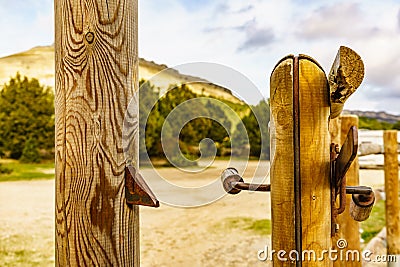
point(38, 63)
point(373, 120)
point(380, 116)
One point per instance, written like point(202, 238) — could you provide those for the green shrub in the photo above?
point(30, 153)
point(26, 112)
point(376, 221)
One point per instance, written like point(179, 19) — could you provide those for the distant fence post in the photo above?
point(392, 195)
point(300, 161)
point(348, 227)
point(96, 77)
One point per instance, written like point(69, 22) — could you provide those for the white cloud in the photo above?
point(252, 36)
point(256, 37)
point(343, 20)
point(249, 36)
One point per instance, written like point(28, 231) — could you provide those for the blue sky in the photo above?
point(248, 36)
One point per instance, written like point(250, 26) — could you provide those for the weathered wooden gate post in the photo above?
point(300, 162)
point(96, 77)
point(307, 170)
point(306, 173)
point(348, 227)
point(392, 195)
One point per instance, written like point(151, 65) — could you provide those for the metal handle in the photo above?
point(233, 183)
point(361, 190)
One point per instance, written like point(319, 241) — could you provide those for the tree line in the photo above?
point(205, 118)
point(374, 124)
point(27, 122)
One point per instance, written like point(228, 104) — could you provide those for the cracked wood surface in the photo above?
point(314, 159)
point(345, 76)
point(282, 159)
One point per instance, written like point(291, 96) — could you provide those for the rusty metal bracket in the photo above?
point(340, 164)
point(348, 153)
point(137, 192)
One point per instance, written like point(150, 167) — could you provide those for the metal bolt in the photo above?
point(89, 37)
point(337, 149)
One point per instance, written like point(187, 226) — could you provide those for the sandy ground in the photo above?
point(194, 237)
point(170, 236)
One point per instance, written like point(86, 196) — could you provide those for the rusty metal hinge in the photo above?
point(137, 192)
point(362, 196)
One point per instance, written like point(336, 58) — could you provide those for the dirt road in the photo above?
point(211, 235)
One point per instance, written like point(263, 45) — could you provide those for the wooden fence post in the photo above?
point(392, 195)
point(348, 227)
point(282, 160)
point(335, 128)
point(300, 160)
point(96, 77)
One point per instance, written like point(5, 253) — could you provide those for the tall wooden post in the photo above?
point(300, 160)
point(282, 159)
point(392, 195)
point(96, 77)
point(348, 227)
point(314, 112)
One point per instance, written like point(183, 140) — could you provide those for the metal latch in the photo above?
point(363, 197)
point(137, 192)
point(233, 183)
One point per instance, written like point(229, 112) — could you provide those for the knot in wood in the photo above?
point(89, 37)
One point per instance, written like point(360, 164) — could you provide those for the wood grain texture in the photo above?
point(348, 228)
point(345, 76)
point(392, 192)
point(360, 209)
point(314, 160)
point(282, 159)
point(96, 77)
point(335, 130)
